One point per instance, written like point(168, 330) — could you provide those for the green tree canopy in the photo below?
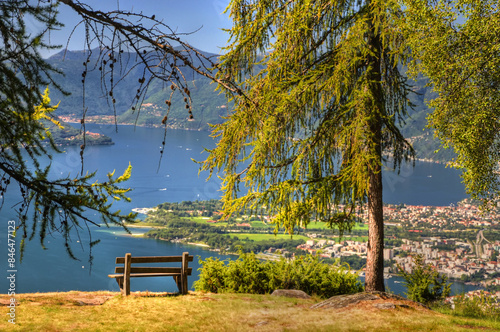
point(322, 97)
point(456, 44)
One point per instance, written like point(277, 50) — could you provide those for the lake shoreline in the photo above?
point(173, 127)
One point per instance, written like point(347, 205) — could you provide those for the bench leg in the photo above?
point(184, 284)
point(126, 275)
point(178, 283)
point(183, 276)
point(119, 281)
point(181, 282)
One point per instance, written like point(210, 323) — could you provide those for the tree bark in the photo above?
point(374, 278)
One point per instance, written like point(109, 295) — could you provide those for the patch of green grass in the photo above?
point(201, 220)
point(144, 224)
point(260, 224)
point(262, 237)
point(322, 225)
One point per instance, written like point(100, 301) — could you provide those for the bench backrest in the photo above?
point(156, 259)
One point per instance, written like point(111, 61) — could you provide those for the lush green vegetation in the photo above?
point(482, 306)
point(262, 237)
point(465, 77)
point(220, 237)
point(445, 247)
point(354, 261)
point(479, 306)
point(247, 274)
point(424, 284)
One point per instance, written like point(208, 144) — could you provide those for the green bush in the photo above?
point(212, 276)
point(247, 274)
point(478, 306)
point(425, 284)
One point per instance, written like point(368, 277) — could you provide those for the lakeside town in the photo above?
point(457, 258)
point(459, 241)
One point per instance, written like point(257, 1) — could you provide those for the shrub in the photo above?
point(425, 284)
point(477, 306)
point(212, 276)
point(247, 274)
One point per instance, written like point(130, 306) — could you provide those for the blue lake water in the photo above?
point(175, 179)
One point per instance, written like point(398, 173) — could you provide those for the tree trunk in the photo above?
point(374, 279)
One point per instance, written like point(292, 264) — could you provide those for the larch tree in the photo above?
point(456, 44)
point(321, 98)
point(58, 205)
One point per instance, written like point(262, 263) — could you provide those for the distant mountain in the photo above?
point(208, 105)
point(98, 83)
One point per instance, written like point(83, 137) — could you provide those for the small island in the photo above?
point(71, 136)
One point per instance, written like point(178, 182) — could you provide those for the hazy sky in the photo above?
point(180, 15)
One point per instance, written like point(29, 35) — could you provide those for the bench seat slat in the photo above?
point(150, 269)
point(154, 259)
point(139, 275)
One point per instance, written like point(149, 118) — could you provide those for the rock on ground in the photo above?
point(291, 293)
point(342, 301)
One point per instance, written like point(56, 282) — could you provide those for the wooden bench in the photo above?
point(129, 270)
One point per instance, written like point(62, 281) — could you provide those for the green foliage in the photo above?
point(476, 306)
point(48, 205)
point(424, 284)
point(249, 275)
point(212, 276)
point(213, 205)
point(456, 44)
point(305, 123)
point(354, 261)
point(393, 242)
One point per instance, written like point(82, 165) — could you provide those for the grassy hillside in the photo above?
point(107, 311)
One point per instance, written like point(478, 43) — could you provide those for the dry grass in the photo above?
point(107, 311)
